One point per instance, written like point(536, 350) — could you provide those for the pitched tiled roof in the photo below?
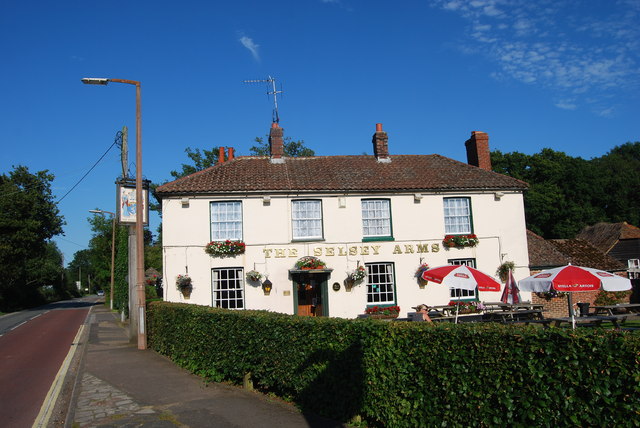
point(583, 253)
point(543, 254)
point(605, 235)
point(340, 174)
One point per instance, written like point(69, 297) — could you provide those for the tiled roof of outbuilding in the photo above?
point(412, 173)
point(543, 254)
point(606, 235)
point(583, 253)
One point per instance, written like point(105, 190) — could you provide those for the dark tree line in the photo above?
point(568, 193)
point(31, 265)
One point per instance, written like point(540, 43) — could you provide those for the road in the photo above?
point(33, 347)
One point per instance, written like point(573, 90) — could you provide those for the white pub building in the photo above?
point(386, 214)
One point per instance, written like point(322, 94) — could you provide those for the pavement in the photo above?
point(117, 385)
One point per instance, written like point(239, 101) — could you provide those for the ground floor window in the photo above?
point(459, 293)
point(380, 283)
point(228, 288)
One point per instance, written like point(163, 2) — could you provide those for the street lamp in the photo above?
point(142, 336)
point(113, 246)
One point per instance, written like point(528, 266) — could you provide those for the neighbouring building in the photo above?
point(552, 253)
point(387, 214)
point(619, 240)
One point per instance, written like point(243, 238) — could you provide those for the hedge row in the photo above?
point(411, 374)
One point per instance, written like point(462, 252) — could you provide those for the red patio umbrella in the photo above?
point(461, 276)
point(510, 293)
point(574, 278)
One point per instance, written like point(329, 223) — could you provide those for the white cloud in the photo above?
point(248, 43)
point(583, 56)
point(566, 105)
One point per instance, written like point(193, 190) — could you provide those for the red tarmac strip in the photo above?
point(30, 357)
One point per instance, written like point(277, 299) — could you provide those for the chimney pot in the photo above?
point(230, 153)
point(221, 155)
point(378, 127)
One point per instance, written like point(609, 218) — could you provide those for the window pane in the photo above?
point(228, 288)
point(376, 217)
point(307, 219)
point(457, 216)
point(226, 221)
point(380, 283)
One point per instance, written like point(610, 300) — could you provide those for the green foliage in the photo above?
point(411, 374)
point(568, 193)
point(292, 148)
point(29, 218)
point(121, 286)
point(605, 298)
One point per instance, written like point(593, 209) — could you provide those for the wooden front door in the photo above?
point(309, 292)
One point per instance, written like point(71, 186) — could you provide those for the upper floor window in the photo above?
point(376, 218)
point(226, 221)
point(307, 219)
point(457, 216)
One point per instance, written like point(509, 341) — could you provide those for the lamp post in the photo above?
point(113, 247)
point(142, 336)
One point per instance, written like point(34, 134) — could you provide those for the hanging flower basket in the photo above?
point(224, 248)
point(421, 269)
point(310, 262)
point(469, 240)
point(503, 270)
point(184, 285)
point(254, 275)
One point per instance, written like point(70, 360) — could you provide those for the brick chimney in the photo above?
point(478, 150)
point(230, 157)
point(276, 143)
point(381, 144)
point(221, 155)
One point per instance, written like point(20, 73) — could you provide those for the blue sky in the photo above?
point(532, 74)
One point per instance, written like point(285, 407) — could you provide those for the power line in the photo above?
point(87, 173)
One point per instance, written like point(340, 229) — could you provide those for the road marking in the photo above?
point(47, 407)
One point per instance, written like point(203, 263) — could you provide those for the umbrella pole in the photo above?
point(457, 306)
point(570, 304)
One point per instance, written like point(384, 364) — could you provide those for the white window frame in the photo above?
point(460, 293)
point(306, 223)
point(376, 218)
point(227, 286)
point(457, 216)
point(226, 220)
point(381, 287)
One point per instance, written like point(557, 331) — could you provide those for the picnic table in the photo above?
point(507, 317)
point(495, 306)
point(623, 308)
point(591, 320)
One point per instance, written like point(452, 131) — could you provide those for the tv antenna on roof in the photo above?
point(273, 91)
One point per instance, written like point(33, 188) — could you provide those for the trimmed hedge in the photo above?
point(411, 374)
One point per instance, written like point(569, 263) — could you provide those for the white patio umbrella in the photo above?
point(574, 278)
point(461, 276)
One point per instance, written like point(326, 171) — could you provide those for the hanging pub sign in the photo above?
point(126, 201)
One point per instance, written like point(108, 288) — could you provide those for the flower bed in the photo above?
point(469, 240)
point(310, 262)
point(383, 311)
point(224, 248)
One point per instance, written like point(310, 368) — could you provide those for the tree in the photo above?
point(29, 218)
point(568, 193)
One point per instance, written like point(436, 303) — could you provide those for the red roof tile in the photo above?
point(412, 173)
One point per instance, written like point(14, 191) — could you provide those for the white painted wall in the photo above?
point(499, 223)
